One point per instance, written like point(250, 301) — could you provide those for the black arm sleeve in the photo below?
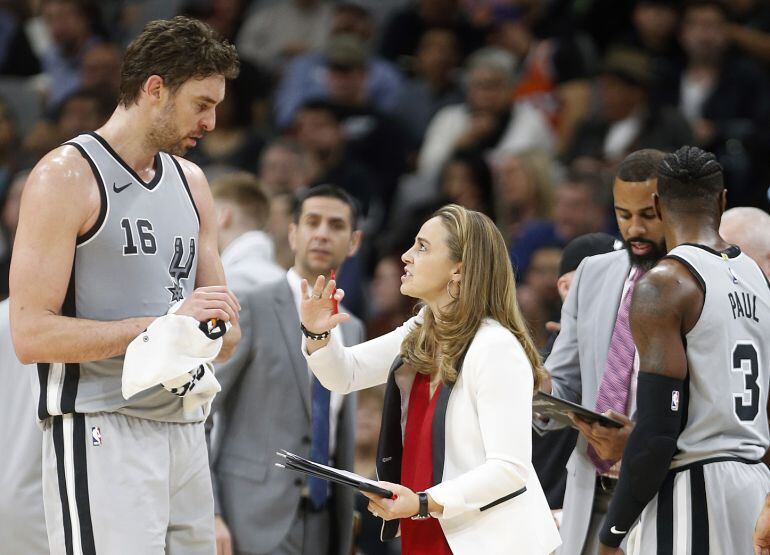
point(647, 455)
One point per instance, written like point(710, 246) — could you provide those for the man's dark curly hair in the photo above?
point(176, 49)
point(690, 175)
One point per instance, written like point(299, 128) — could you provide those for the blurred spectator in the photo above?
point(233, 142)
point(100, 69)
point(725, 98)
point(8, 146)
point(749, 228)
point(224, 16)
point(283, 167)
point(9, 220)
point(626, 120)
point(534, 313)
point(749, 29)
point(16, 54)
point(403, 30)
point(319, 130)
point(433, 84)
point(79, 112)
point(485, 123)
point(465, 180)
point(387, 306)
point(553, 72)
point(541, 277)
point(654, 28)
point(374, 139)
point(538, 292)
point(523, 188)
point(71, 25)
point(368, 414)
point(135, 14)
point(243, 209)
point(581, 205)
point(308, 76)
point(601, 19)
point(278, 228)
point(276, 32)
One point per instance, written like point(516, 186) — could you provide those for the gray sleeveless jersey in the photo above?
point(137, 260)
point(728, 356)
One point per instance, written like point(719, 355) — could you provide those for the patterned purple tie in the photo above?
point(616, 380)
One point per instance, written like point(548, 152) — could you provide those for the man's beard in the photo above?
point(645, 261)
point(165, 135)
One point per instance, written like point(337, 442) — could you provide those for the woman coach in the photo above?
point(456, 423)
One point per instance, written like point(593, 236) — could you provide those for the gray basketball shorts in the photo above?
point(704, 509)
point(120, 485)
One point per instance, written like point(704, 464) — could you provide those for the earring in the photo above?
point(449, 289)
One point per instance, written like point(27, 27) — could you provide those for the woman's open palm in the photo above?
point(318, 309)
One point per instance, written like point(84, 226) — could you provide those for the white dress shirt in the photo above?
point(621, 135)
point(335, 402)
point(249, 261)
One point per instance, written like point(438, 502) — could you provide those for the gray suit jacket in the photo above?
point(576, 364)
point(264, 406)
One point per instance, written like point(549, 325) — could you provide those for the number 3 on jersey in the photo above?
point(746, 362)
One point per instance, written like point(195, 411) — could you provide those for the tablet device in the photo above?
point(553, 407)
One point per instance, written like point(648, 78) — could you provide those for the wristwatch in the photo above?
point(422, 514)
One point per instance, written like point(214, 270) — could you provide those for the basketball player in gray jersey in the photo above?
point(692, 471)
point(114, 230)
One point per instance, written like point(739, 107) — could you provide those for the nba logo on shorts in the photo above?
point(674, 401)
point(96, 436)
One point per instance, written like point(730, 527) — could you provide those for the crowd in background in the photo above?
point(521, 109)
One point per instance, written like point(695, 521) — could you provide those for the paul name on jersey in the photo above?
point(744, 305)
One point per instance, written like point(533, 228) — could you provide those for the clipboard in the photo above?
point(557, 409)
point(336, 475)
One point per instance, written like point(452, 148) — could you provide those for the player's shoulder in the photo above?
point(63, 169)
point(669, 284)
point(191, 171)
point(64, 159)
point(196, 181)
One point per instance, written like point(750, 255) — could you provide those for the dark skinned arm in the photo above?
point(666, 305)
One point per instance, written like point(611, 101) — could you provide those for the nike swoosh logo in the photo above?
point(618, 532)
point(119, 189)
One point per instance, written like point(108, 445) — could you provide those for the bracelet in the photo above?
point(313, 336)
point(422, 513)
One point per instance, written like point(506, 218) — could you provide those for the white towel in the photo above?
point(197, 388)
point(171, 352)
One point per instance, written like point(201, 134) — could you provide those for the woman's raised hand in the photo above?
point(318, 309)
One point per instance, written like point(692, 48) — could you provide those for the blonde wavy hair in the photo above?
point(487, 290)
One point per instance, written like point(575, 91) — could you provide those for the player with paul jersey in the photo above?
point(692, 471)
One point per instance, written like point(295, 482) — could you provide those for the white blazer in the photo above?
point(488, 452)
